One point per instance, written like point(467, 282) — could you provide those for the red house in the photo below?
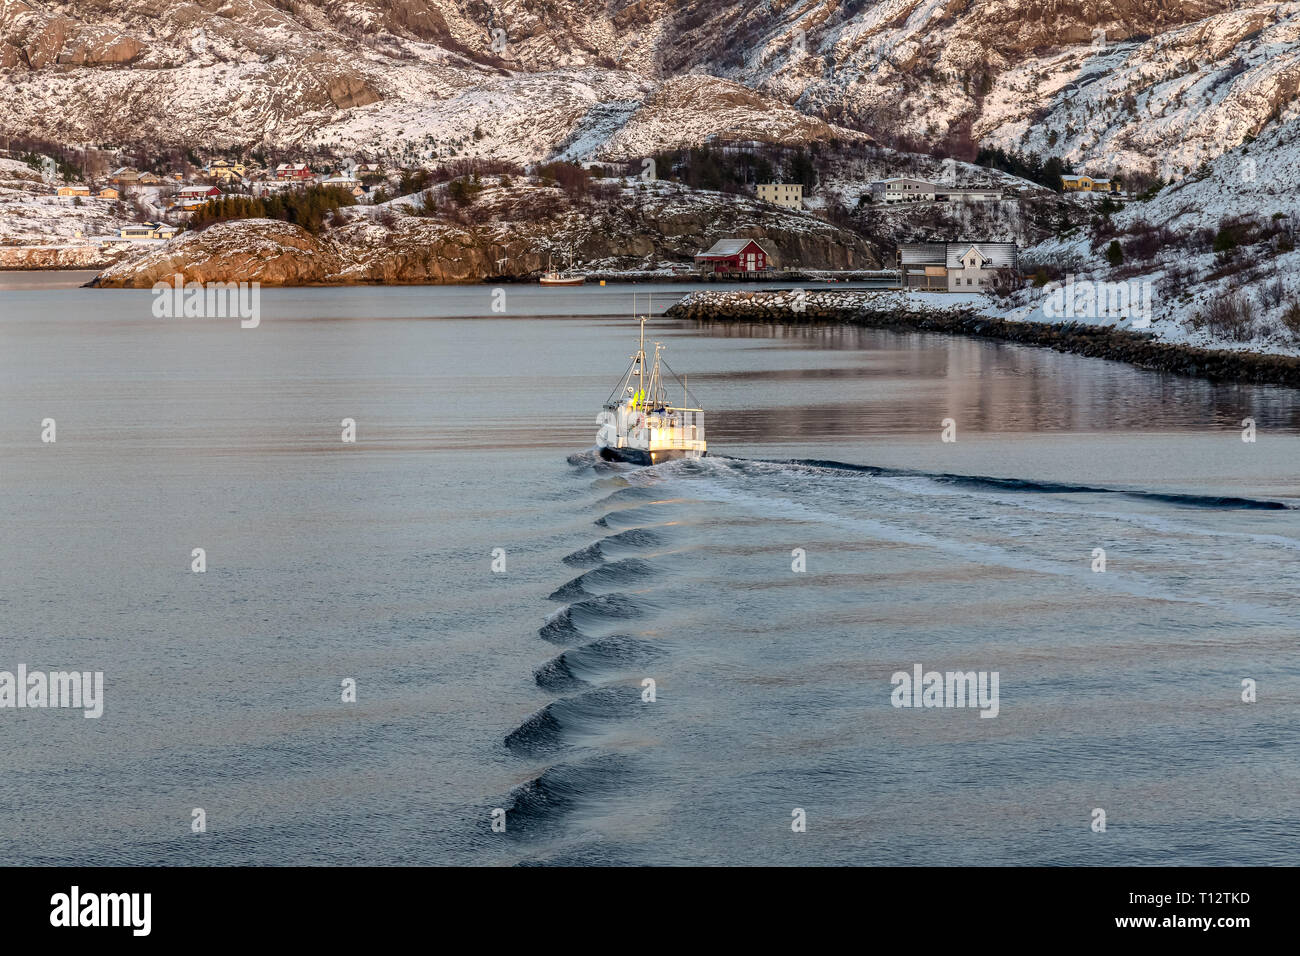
point(198, 192)
point(733, 255)
point(293, 171)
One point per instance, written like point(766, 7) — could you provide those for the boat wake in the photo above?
point(564, 787)
point(597, 675)
point(562, 721)
point(903, 546)
point(1029, 486)
point(609, 657)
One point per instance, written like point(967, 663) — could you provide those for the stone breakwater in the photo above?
point(896, 311)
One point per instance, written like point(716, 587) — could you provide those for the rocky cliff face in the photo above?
point(59, 257)
point(34, 39)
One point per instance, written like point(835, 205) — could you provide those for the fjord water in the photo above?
point(522, 689)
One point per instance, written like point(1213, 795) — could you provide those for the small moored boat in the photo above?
point(559, 278)
point(552, 277)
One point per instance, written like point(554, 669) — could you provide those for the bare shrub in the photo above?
point(1176, 280)
point(1291, 317)
point(456, 168)
point(1229, 317)
point(1272, 293)
point(1144, 242)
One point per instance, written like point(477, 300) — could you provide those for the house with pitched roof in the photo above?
point(972, 265)
point(732, 255)
point(1074, 183)
point(954, 266)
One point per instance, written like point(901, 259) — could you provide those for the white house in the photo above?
point(971, 265)
point(269, 187)
point(348, 184)
point(954, 266)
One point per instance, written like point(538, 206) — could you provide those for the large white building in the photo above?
point(970, 194)
point(903, 189)
point(906, 189)
point(789, 195)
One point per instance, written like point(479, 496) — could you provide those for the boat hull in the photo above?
point(636, 456)
point(544, 281)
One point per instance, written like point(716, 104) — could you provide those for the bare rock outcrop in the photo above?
point(252, 250)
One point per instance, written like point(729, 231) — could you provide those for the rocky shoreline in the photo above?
point(57, 258)
point(507, 234)
point(880, 310)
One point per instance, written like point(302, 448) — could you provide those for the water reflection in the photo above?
point(905, 382)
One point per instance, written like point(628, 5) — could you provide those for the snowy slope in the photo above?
point(1107, 84)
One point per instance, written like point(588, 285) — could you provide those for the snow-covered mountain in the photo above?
point(1106, 84)
point(410, 81)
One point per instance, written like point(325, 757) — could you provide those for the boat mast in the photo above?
point(657, 383)
point(654, 374)
point(638, 360)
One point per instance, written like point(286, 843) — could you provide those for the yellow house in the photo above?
point(147, 230)
point(1086, 184)
point(66, 192)
point(224, 171)
point(108, 192)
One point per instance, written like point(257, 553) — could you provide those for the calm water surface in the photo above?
point(522, 689)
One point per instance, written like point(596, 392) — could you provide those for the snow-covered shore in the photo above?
point(979, 315)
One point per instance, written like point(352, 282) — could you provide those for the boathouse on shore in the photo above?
point(732, 255)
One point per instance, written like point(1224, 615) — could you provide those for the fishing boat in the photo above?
point(557, 278)
point(552, 277)
point(639, 424)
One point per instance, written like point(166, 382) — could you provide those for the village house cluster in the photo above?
point(962, 266)
point(939, 266)
point(173, 197)
point(166, 201)
point(896, 189)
